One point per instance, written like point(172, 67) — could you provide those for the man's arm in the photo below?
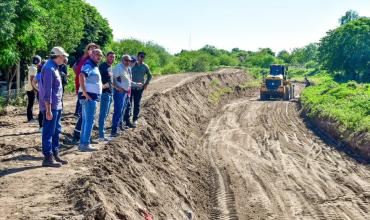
point(34, 83)
point(82, 79)
point(116, 74)
point(47, 86)
point(148, 77)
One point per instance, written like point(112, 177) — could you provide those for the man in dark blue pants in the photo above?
point(51, 93)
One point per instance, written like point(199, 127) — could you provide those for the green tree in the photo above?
point(284, 56)
point(63, 22)
point(20, 31)
point(347, 49)
point(96, 29)
point(305, 54)
point(349, 16)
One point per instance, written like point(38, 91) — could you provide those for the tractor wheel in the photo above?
point(287, 95)
point(264, 97)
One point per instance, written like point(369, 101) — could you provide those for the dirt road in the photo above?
point(269, 165)
point(189, 159)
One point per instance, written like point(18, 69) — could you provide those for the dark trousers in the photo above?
point(31, 100)
point(78, 107)
point(136, 96)
point(127, 113)
point(50, 133)
point(77, 131)
point(40, 118)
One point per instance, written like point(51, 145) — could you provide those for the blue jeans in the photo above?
point(126, 105)
point(50, 133)
point(136, 96)
point(106, 100)
point(119, 103)
point(88, 116)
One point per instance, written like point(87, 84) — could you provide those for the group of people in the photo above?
point(96, 82)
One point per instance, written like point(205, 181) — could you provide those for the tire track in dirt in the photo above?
point(279, 169)
point(221, 196)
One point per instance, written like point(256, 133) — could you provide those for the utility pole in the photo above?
point(189, 41)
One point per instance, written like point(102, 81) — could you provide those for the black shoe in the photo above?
point(72, 141)
point(49, 162)
point(113, 135)
point(128, 125)
point(60, 160)
point(122, 127)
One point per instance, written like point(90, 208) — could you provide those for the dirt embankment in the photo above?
point(160, 166)
point(349, 141)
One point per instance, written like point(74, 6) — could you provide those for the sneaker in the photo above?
point(134, 124)
point(93, 141)
point(32, 121)
point(49, 162)
point(60, 160)
point(86, 148)
point(104, 139)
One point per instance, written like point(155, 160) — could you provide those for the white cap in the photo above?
point(126, 56)
point(58, 51)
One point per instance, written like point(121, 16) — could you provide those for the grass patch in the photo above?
point(215, 96)
point(2, 105)
point(252, 84)
point(347, 103)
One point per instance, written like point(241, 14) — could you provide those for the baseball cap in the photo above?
point(58, 51)
point(126, 56)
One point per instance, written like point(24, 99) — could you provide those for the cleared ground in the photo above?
point(270, 165)
point(243, 159)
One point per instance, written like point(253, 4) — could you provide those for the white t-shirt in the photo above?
point(32, 70)
point(122, 77)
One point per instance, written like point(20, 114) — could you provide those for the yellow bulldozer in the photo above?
point(276, 84)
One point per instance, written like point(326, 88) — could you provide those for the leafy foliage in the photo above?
point(347, 103)
point(346, 50)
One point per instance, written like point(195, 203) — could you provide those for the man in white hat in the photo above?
point(50, 95)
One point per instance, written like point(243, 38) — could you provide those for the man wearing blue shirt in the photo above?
point(89, 94)
point(50, 95)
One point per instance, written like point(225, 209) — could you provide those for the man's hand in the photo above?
point(86, 96)
point(106, 86)
point(120, 89)
point(49, 115)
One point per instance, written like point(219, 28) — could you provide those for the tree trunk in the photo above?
point(18, 73)
point(11, 78)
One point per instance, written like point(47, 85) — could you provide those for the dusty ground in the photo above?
point(270, 165)
point(246, 159)
point(30, 191)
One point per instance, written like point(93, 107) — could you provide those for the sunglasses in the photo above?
point(126, 60)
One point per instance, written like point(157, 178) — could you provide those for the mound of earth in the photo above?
point(160, 167)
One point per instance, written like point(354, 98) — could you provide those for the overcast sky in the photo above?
point(246, 24)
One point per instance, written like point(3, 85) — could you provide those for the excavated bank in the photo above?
point(357, 144)
point(160, 167)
